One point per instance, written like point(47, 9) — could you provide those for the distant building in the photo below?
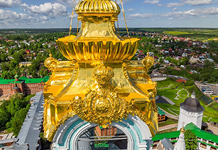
point(161, 115)
point(205, 140)
point(194, 59)
point(21, 85)
point(165, 144)
point(28, 137)
point(110, 131)
point(206, 89)
point(25, 64)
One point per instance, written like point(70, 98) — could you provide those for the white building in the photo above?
point(190, 111)
point(194, 59)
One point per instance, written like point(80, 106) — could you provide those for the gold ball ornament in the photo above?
point(148, 61)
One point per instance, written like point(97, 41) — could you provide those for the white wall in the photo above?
point(188, 117)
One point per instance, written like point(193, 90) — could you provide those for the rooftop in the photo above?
point(24, 79)
point(32, 124)
point(192, 104)
point(198, 132)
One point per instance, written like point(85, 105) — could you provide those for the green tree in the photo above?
point(18, 57)
point(190, 140)
point(3, 57)
point(5, 75)
point(161, 60)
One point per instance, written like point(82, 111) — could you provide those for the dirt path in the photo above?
point(213, 128)
point(167, 127)
point(177, 97)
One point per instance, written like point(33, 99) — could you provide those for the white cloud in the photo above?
point(9, 3)
point(48, 9)
point(174, 9)
point(197, 2)
point(141, 15)
point(190, 2)
point(174, 4)
point(159, 5)
point(42, 19)
point(124, 1)
point(151, 1)
point(68, 3)
point(130, 10)
point(192, 12)
point(11, 17)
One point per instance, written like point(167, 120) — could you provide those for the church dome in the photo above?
point(192, 104)
point(97, 6)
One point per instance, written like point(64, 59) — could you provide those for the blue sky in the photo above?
point(139, 13)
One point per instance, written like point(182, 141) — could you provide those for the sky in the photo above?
point(139, 13)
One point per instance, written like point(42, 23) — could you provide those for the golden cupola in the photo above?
point(97, 39)
point(98, 83)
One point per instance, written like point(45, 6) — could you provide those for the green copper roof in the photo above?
point(160, 111)
point(201, 133)
point(198, 132)
point(167, 135)
point(7, 81)
point(24, 79)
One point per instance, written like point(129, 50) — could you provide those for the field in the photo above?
point(195, 34)
point(178, 92)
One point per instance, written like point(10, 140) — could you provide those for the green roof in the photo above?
point(201, 133)
point(160, 111)
point(1, 78)
point(198, 132)
point(25, 79)
point(36, 80)
point(7, 81)
point(167, 135)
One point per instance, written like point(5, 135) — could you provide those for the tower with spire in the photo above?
point(180, 144)
point(190, 111)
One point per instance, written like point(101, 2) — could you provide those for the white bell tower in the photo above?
point(190, 111)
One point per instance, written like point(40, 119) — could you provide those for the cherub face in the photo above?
point(102, 79)
point(103, 75)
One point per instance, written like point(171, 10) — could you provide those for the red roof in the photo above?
point(181, 80)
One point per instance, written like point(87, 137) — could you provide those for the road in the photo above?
point(213, 128)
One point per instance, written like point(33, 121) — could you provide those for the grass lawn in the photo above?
point(201, 34)
point(167, 122)
point(177, 93)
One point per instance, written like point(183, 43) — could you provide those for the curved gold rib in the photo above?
point(137, 89)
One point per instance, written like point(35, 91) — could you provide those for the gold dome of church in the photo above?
point(98, 39)
point(97, 7)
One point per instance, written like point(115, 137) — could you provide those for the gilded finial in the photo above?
point(182, 130)
point(50, 55)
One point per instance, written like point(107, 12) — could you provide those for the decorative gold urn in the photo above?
point(99, 83)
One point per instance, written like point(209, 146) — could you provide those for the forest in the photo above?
point(13, 113)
